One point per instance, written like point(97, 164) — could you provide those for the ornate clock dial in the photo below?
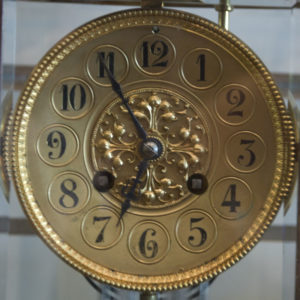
point(184, 200)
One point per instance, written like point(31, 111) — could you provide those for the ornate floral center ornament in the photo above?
point(177, 140)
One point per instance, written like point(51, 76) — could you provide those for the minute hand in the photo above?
point(117, 89)
point(130, 195)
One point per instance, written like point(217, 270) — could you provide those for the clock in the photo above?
point(151, 149)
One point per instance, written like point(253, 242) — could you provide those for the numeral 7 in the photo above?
point(100, 237)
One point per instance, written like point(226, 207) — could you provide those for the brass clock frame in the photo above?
point(285, 152)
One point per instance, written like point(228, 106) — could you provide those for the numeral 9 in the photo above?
point(56, 140)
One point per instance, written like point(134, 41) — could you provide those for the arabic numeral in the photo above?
point(201, 60)
point(57, 141)
point(249, 159)
point(148, 248)
point(199, 236)
point(236, 98)
point(155, 52)
point(230, 199)
point(105, 221)
point(73, 98)
point(109, 60)
point(68, 186)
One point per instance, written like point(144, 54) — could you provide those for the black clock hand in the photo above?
point(131, 194)
point(118, 90)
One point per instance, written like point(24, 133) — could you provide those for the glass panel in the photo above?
point(29, 270)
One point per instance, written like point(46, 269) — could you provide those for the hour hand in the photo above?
point(114, 83)
point(118, 90)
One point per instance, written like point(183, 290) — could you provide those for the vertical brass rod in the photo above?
point(297, 279)
point(224, 19)
point(154, 4)
point(148, 296)
point(224, 8)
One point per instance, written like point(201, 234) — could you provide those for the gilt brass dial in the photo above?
point(165, 112)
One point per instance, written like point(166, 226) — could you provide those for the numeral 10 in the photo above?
point(74, 97)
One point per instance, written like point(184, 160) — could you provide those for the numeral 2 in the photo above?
point(236, 98)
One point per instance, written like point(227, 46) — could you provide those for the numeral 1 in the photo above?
point(201, 61)
point(145, 55)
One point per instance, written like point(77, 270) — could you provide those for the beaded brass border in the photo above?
point(285, 166)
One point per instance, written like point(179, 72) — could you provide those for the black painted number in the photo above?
point(56, 141)
point(230, 199)
point(236, 98)
point(148, 248)
point(73, 98)
point(199, 234)
point(69, 199)
point(109, 60)
point(201, 61)
point(249, 159)
point(154, 54)
point(105, 221)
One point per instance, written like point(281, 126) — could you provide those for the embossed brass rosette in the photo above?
point(212, 108)
point(178, 126)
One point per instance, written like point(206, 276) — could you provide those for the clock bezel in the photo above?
point(283, 177)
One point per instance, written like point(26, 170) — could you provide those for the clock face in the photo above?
point(168, 114)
